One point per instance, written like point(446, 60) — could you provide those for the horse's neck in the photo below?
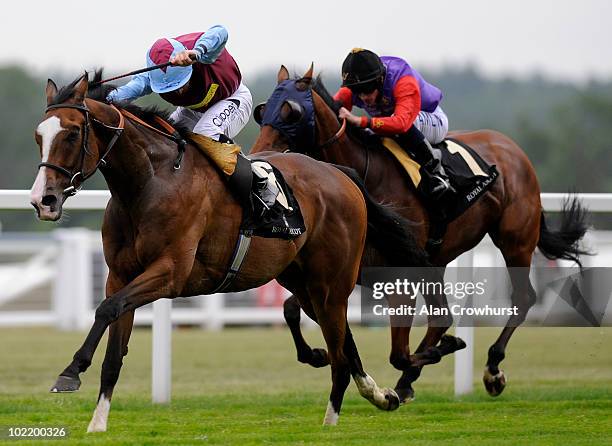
point(344, 151)
point(131, 163)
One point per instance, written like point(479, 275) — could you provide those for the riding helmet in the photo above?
point(362, 69)
point(164, 80)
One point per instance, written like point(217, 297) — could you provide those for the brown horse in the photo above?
point(170, 232)
point(510, 212)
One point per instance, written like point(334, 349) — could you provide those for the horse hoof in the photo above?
point(405, 394)
point(66, 384)
point(495, 384)
point(452, 341)
point(393, 400)
point(319, 358)
point(433, 355)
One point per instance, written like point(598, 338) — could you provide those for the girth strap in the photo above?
point(240, 252)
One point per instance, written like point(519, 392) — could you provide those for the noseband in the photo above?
point(73, 188)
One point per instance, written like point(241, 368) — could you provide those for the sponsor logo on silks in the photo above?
point(224, 115)
point(377, 123)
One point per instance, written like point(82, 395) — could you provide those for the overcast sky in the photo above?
point(568, 40)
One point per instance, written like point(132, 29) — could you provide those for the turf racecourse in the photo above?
point(243, 386)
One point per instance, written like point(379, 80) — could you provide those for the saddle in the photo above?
point(469, 174)
point(270, 208)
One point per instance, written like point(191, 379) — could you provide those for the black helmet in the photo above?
point(362, 69)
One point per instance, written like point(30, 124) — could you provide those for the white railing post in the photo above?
point(464, 359)
point(73, 287)
point(214, 311)
point(161, 381)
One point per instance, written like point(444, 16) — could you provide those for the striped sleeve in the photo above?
point(210, 44)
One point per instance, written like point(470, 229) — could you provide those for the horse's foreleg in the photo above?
point(157, 282)
point(117, 348)
point(316, 357)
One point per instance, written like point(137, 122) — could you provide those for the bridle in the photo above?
point(73, 188)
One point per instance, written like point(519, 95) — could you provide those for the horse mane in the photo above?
point(101, 91)
point(358, 134)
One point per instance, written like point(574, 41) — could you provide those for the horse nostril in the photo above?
point(36, 208)
point(49, 200)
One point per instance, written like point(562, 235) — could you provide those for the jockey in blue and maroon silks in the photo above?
point(205, 85)
point(204, 82)
point(399, 103)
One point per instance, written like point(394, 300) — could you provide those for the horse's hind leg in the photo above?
point(517, 246)
point(116, 349)
point(385, 399)
point(331, 314)
point(316, 357)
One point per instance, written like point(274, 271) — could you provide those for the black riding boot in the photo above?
point(240, 183)
point(436, 181)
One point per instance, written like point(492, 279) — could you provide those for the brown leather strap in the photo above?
point(171, 130)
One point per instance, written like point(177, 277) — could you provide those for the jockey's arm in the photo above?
point(138, 86)
point(407, 107)
point(205, 50)
point(345, 97)
point(210, 44)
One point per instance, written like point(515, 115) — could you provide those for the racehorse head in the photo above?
point(296, 116)
point(288, 115)
point(69, 149)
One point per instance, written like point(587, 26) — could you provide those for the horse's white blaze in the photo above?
point(47, 130)
point(331, 416)
point(100, 416)
point(370, 390)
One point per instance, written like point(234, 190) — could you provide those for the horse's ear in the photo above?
point(51, 91)
point(283, 74)
point(310, 71)
point(304, 83)
point(80, 89)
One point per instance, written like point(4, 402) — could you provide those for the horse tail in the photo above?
point(564, 243)
point(388, 232)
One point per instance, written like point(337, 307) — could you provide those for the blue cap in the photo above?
point(171, 77)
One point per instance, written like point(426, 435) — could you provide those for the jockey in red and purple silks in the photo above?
point(399, 102)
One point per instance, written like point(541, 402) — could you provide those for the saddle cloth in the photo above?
point(275, 212)
point(470, 175)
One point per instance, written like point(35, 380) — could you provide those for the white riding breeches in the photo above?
point(434, 126)
point(227, 117)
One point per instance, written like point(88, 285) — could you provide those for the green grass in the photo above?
point(243, 386)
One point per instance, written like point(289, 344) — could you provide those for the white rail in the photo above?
point(213, 315)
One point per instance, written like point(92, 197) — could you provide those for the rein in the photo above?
point(73, 188)
point(334, 138)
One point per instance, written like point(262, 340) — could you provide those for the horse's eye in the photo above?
point(73, 134)
point(291, 112)
point(258, 112)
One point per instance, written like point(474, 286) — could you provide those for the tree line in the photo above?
point(563, 127)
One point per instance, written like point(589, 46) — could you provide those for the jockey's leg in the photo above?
point(225, 119)
point(436, 182)
point(222, 122)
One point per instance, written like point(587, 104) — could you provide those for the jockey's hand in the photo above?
point(343, 113)
point(184, 58)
